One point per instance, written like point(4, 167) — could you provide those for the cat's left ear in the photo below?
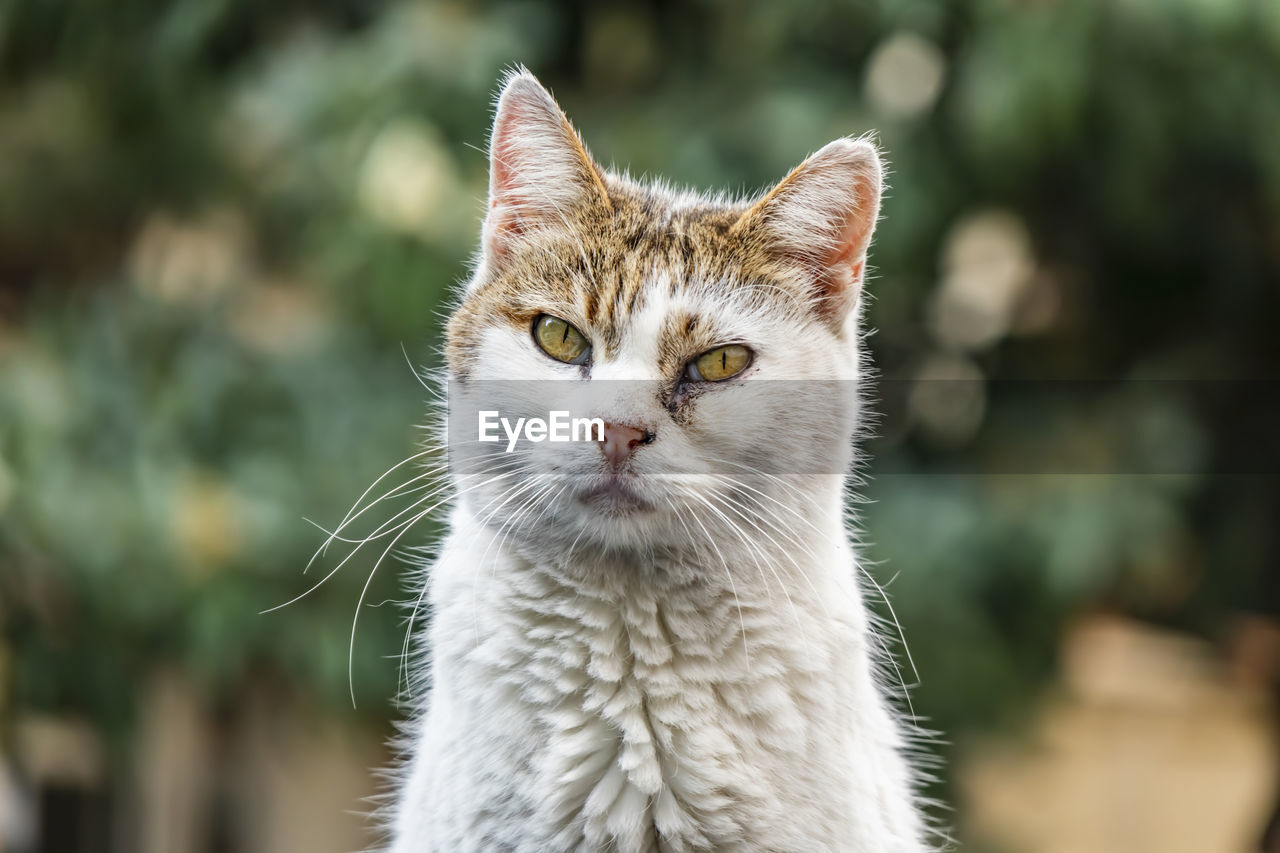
point(819, 221)
point(540, 174)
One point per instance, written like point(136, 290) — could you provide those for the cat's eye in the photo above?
point(720, 363)
point(560, 340)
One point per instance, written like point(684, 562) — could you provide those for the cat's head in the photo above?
point(714, 338)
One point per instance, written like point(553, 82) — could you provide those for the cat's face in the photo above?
point(716, 341)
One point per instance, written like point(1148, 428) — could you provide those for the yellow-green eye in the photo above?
point(720, 363)
point(560, 340)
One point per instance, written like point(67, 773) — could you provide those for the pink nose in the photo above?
point(620, 440)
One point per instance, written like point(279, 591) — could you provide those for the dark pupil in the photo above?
point(724, 360)
point(566, 333)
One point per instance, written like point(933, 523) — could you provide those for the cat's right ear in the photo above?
point(819, 222)
point(540, 174)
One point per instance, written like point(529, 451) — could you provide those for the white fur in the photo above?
point(630, 715)
point(700, 677)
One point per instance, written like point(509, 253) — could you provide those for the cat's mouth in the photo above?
point(615, 496)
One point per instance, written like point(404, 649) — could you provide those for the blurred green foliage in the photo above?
point(221, 221)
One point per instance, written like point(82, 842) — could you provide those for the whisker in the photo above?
point(371, 487)
point(732, 586)
point(405, 526)
point(756, 550)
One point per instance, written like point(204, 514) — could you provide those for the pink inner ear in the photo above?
point(838, 270)
point(528, 131)
point(504, 181)
point(507, 192)
point(838, 285)
point(851, 245)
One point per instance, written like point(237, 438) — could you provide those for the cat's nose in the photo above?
point(621, 439)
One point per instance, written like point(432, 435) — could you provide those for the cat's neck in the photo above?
point(758, 559)
point(735, 598)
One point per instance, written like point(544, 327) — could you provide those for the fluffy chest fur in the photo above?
point(651, 713)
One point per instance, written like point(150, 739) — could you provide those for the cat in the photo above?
point(656, 640)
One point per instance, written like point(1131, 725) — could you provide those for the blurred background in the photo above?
point(228, 227)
